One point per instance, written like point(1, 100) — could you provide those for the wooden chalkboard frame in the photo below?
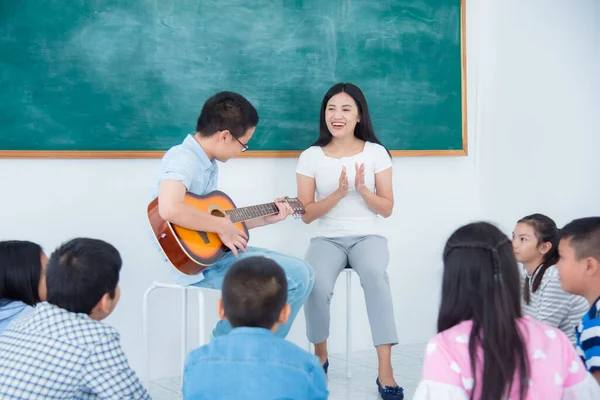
point(102, 154)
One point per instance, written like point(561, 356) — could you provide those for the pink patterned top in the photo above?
point(555, 368)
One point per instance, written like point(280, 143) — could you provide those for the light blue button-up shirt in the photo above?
point(189, 164)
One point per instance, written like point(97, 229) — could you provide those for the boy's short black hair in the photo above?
point(254, 292)
point(80, 272)
point(20, 271)
point(584, 236)
point(226, 111)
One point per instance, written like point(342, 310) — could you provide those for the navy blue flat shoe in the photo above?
point(326, 366)
point(390, 392)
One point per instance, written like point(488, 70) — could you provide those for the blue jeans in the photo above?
point(299, 273)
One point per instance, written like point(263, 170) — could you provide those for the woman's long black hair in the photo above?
point(481, 284)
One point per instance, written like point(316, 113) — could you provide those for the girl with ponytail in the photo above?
point(535, 244)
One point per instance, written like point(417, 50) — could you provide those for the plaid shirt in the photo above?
point(56, 354)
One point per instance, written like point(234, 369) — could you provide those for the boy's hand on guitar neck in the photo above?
point(232, 237)
point(285, 210)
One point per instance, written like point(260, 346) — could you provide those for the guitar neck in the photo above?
point(252, 212)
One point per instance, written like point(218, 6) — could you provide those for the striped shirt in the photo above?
point(552, 305)
point(588, 338)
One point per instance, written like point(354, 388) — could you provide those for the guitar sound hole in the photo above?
point(217, 213)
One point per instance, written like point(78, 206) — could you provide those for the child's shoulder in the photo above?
point(200, 353)
point(179, 151)
point(594, 312)
point(457, 334)
point(460, 328)
point(539, 329)
point(552, 274)
point(591, 319)
point(91, 333)
point(295, 352)
point(544, 337)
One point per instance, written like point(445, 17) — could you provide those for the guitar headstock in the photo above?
point(296, 205)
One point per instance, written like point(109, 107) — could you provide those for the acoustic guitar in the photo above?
point(192, 251)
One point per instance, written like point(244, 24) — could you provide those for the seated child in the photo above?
point(62, 350)
point(486, 348)
point(579, 268)
point(22, 279)
point(251, 362)
point(535, 243)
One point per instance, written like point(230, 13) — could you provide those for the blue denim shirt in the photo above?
point(252, 363)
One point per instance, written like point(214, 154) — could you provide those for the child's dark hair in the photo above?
point(20, 271)
point(80, 272)
point(363, 130)
point(545, 231)
point(254, 292)
point(226, 111)
point(584, 236)
point(481, 284)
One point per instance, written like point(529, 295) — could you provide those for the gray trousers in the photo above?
point(369, 257)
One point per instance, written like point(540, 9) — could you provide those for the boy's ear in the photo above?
point(284, 315)
point(221, 309)
point(104, 304)
point(592, 265)
point(222, 135)
point(102, 309)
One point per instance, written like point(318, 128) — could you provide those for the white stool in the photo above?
point(183, 289)
point(348, 270)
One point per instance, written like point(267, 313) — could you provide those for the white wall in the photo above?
point(531, 86)
point(539, 147)
point(52, 201)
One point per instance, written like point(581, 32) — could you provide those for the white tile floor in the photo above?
point(407, 361)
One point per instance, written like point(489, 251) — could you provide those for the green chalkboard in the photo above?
point(132, 75)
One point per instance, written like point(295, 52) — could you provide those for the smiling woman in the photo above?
point(345, 181)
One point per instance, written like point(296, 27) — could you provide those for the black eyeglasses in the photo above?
point(244, 146)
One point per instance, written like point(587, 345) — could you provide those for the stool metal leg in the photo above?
point(201, 318)
point(348, 322)
point(145, 332)
point(145, 328)
point(183, 328)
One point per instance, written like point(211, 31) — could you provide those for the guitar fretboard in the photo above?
point(252, 212)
